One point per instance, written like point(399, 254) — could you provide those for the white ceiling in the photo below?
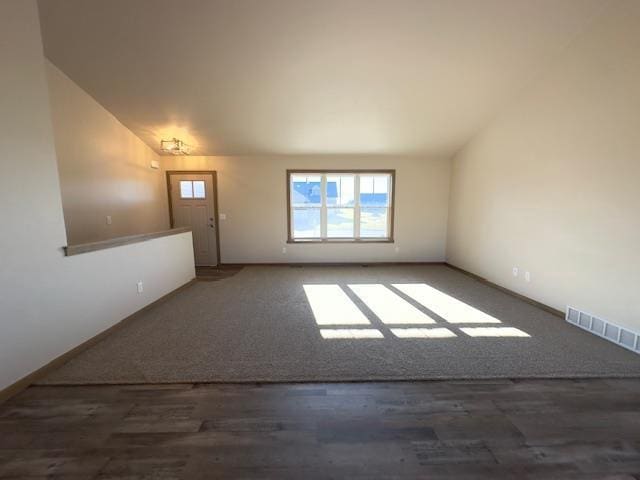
point(308, 76)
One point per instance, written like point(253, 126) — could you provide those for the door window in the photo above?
point(192, 189)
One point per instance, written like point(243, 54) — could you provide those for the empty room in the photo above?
point(299, 239)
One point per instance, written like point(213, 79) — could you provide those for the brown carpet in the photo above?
point(427, 322)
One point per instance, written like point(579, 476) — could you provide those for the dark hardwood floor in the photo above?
point(546, 429)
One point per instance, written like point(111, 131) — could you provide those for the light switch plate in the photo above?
point(223, 216)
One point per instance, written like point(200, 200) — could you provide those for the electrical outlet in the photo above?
point(527, 276)
point(515, 271)
point(397, 249)
point(284, 249)
point(108, 219)
point(223, 216)
point(140, 287)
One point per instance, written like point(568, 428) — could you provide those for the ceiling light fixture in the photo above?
point(175, 147)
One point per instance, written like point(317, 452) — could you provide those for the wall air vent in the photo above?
point(614, 333)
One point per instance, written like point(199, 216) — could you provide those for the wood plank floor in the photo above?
point(213, 274)
point(546, 429)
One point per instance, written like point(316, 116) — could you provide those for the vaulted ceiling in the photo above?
point(308, 76)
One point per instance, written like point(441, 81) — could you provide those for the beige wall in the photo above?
point(104, 168)
point(252, 194)
point(553, 185)
point(49, 303)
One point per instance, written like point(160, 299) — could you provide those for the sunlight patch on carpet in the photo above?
point(389, 307)
point(494, 332)
point(446, 306)
point(350, 333)
point(423, 333)
point(332, 306)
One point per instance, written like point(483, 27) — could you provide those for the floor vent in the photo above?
point(614, 333)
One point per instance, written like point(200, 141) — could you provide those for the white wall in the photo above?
point(553, 184)
point(252, 194)
point(50, 303)
point(104, 169)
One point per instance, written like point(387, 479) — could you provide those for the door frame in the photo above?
point(214, 179)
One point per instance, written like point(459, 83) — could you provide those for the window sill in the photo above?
point(341, 240)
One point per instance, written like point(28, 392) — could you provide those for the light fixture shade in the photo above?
point(175, 147)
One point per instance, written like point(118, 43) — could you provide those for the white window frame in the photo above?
point(357, 174)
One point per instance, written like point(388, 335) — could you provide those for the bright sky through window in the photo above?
point(340, 206)
point(192, 189)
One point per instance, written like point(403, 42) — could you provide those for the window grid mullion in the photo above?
point(356, 212)
point(323, 206)
point(357, 206)
point(389, 196)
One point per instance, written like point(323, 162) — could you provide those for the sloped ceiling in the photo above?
point(308, 76)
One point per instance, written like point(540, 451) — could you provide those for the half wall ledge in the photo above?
point(71, 250)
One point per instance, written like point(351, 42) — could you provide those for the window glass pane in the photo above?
point(198, 189)
point(373, 222)
point(374, 190)
point(381, 184)
point(341, 190)
point(186, 189)
point(340, 223)
point(324, 205)
point(305, 190)
point(306, 223)
point(366, 184)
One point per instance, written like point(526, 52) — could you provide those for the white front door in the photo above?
point(192, 205)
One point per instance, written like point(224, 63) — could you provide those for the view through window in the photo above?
point(192, 189)
point(353, 205)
